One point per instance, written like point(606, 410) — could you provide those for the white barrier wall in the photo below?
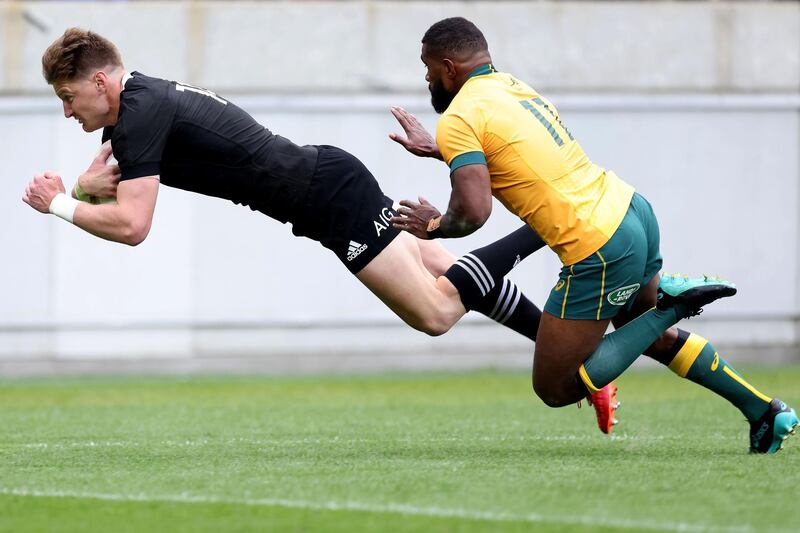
point(704, 120)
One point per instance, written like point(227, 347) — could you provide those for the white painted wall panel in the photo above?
point(26, 251)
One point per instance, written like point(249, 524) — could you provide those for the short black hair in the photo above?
point(455, 35)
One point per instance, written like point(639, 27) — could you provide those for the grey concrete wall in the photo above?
point(703, 117)
point(374, 46)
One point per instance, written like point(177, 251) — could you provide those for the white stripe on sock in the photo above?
point(471, 272)
point(513, 307)
point(470, 261)
point(506, 301)
point(483, 268)
point(500, 299)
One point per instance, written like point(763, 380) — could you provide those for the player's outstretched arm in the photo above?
point(417, 140)
point(127, 221)
point(470, 206)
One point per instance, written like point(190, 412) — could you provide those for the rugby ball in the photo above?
point(95, 199)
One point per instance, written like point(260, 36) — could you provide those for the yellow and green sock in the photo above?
point(697, 360)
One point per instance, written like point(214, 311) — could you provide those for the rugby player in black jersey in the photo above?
point(163, 132)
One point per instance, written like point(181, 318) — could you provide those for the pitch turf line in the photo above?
point(392, 508)
point(315, 441)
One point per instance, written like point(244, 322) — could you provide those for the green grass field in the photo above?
point(408, 452)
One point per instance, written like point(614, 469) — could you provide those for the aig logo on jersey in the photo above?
point(623, 294)
point(354, 249)
point(382, 222)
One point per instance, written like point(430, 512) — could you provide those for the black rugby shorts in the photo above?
point(346, 210)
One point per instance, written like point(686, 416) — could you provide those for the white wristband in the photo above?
point(64, 206)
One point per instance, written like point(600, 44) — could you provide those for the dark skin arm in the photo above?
point(470, 206)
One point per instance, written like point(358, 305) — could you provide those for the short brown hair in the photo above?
point(76, 53)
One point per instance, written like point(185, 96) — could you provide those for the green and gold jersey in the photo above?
point(538, 171)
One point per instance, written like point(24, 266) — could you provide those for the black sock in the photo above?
point(506, 305)
point(479, 277)
point(477, 273)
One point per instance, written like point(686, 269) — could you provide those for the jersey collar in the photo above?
point(482, 70)
point(125, 78)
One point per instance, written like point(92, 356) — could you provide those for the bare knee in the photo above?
point(550, 395)
point(433, 325)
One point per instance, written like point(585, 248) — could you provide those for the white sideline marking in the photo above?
point(396, 508)
point(321, 440)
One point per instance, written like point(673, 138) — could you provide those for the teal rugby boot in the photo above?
point(691, 293)
point(768, 432)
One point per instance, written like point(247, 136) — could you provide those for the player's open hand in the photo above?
point(102, 177)
point(417, 140)
point(41, 191)
point(413, 217)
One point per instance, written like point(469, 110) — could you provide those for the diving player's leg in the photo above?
point(480, 278)
point(349, 214)
point(497, 258)
point(504, 302)
point(398, 276)
point(436, 258)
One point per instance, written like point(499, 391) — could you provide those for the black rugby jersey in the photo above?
point(196, 141)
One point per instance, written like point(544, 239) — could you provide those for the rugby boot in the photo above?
point(768, 432)
point(605, 406)
point(691, 293)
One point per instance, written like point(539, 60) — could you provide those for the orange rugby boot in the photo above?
point(605, 406)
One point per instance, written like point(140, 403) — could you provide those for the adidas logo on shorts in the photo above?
point(354, 250)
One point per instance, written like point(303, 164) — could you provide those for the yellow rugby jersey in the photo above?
point(538, 171)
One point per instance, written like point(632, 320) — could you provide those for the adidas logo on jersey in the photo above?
point(354, 250)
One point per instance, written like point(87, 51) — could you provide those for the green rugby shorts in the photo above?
point(597, 287)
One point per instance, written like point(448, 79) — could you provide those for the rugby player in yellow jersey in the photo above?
point(500, 137)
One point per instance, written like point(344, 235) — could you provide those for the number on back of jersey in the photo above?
point(205, 92)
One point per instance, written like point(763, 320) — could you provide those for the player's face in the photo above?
point(438, 81)
point(85, 101)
